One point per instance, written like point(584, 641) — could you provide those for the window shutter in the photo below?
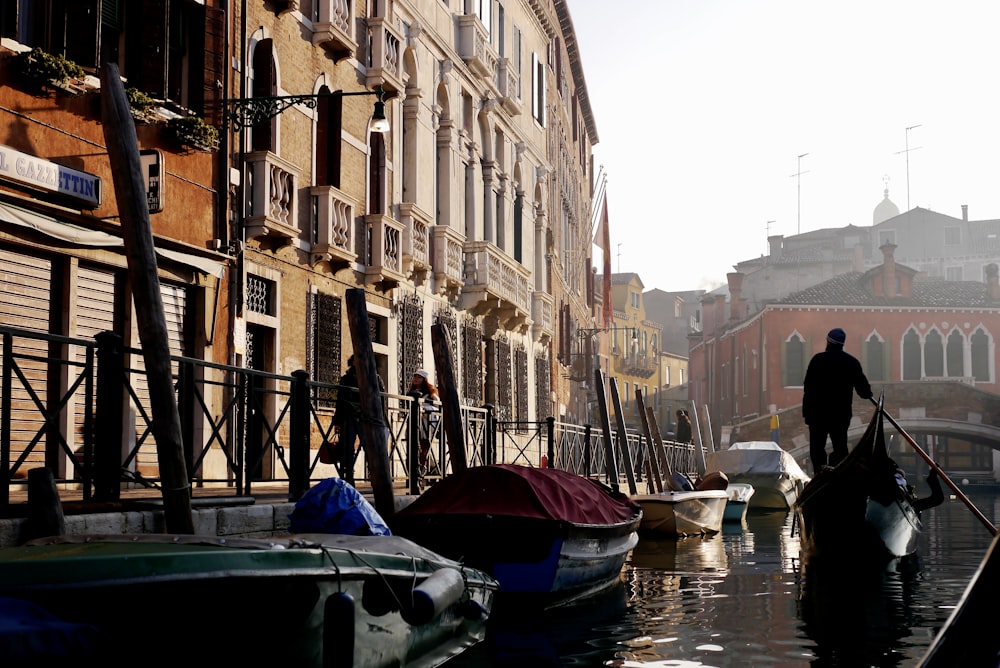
point(213, 55)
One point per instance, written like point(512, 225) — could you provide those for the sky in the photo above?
point(703, 107)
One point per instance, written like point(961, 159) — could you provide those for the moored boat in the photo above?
point(777, 479)
point(548, 536)
point(739, 494)
point(682, 513)
point(305, 600)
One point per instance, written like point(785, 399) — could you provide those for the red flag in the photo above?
point(603, 241)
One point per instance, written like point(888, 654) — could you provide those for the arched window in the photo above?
point(911, 355)
point(264, 84)
point(376, 173)
point(981, 356)
point(794, 362)
point(329, 116)
point(955, 357)
point(874, 359)
point(933, 354)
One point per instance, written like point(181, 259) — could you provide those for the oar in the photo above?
point(937, 469)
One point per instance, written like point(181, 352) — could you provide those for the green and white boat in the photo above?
point(298, 600)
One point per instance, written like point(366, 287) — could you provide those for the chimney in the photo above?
point(965, 212)
point(888, 270)
point(859, 258)
point(735, 295)
point(720, 311)
point(993, 282)
point(774, 244)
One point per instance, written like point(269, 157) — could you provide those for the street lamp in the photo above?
point(798, 187)
point(245, 112)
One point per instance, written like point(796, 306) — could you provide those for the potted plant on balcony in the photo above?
point(42, 69)
point(194, 132)
point(139, 103)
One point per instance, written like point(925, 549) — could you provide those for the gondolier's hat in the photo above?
point(836, 336)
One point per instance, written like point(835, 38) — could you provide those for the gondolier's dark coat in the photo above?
point(828, 389)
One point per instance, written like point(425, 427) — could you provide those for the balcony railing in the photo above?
point(334, 31)
point(271, 196)
point(449, 257)
point(495, 284)
point(333, 226)
point(542, 304)
point(475, 48)
point(635, 363)
point(416, 239)
point(507, 85)
point(385, 252)
point(384, 67)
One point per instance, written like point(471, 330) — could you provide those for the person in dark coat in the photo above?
point(683, 427)
point(832, 378)
point(347, 420)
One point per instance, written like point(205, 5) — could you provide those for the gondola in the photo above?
point(859, 509)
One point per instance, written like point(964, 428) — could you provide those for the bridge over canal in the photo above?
point(951, 420)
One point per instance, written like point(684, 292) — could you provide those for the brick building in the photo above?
point(903, 326)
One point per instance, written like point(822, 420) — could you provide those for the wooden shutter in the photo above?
point(145, 66)
point(213, 55)
point(25, 285)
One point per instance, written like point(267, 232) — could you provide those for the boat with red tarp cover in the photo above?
point(549, 537)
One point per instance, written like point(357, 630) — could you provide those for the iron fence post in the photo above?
point(490, 437)
point(551, 449)
point(109, 407)
point(298, 436)
point(413, 443)
point(586, 450)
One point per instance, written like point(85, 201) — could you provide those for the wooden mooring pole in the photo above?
point(140, 253)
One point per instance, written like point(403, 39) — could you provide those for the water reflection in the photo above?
point(746, 598)
point(855, 614)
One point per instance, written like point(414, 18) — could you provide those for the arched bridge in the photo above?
point(953, 409)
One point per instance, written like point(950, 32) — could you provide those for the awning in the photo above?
point(81, 236)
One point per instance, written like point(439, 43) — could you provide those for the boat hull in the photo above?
point(549, 537)
point(857, 510)
point(738, 502)
point(775, 491)
point(331, 600)
point(682, 513)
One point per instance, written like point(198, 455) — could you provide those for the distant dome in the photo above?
point(885, 210)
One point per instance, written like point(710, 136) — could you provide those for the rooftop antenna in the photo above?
point(768, 237)
point(798, 186)
point(619, 257)
point(906, 151)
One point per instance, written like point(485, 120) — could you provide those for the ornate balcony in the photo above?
point(384, 250)
point(474, 47)
point(542, 306)
point(334, 30)
point(448, 260)
point(507, 81)
point(495, 285)
point(384, 66)
point(416, 240)
point(271, 193)
point(635, 363)
point(333, 227)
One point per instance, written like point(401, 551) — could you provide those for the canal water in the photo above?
point(740, 598)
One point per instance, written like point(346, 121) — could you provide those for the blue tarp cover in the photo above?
point(334, 506)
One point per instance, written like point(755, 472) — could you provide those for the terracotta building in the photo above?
point(903, 326)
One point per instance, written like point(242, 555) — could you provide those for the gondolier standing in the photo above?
point(832, 378)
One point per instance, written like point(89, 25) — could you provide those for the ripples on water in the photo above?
point(743, 598)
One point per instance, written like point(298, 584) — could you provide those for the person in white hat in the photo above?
point(832, 378)
point(422, 389)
